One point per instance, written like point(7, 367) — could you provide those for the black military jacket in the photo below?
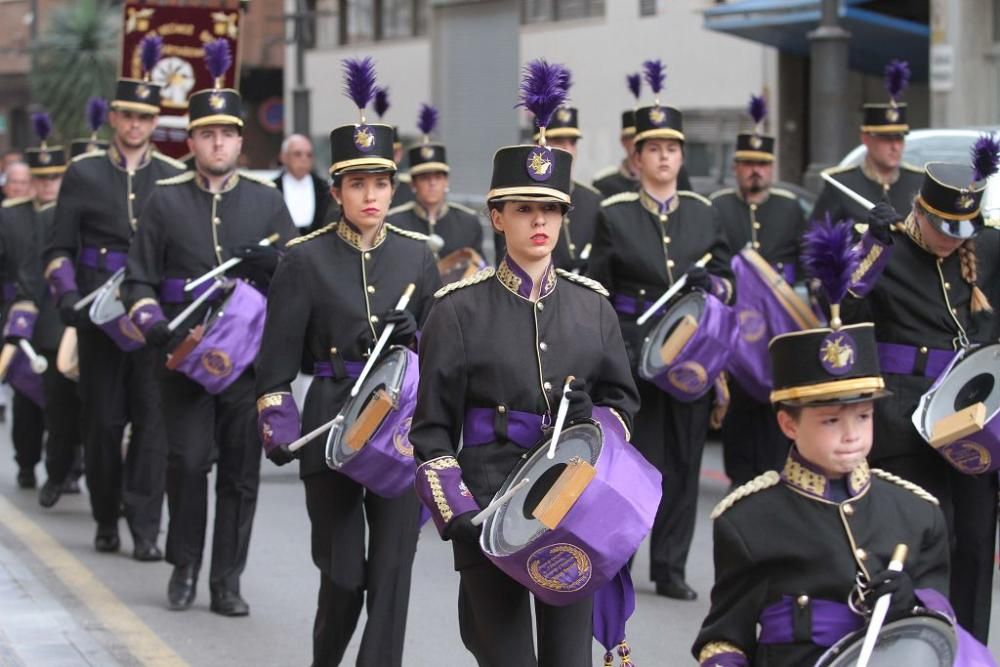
point(186, 231)
point(786, 538)
point(841, 207)
point(773, 227)
point(458, 225)
point(486, 345)
point(322, 298)
point(17, 225)
point(615, 180)
point(639, 253)
point(99, 206)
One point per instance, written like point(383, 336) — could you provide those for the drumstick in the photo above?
point(880, 610)
point(296, 445)
point(225, 266)
point(382, 340)
point(39, 364)
point(86, 301)
point(850, 193)
point(674, 289)
point(491, 509)
point(186, 313)
point(560, 419)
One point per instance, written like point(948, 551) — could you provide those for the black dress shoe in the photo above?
point(146, 551)
point(71, 486)
point(229, 603)
point(107, 540)
point(182, 587)
point(676, 590)
point(49, 494)
point(26, 478)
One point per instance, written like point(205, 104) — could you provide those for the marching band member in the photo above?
point(645, 241)
point(494, 355)
point(100, 201)
point(623, 177)
point(96, 114)
point(402, 193)
point(333, 293)
point(928, 285)
point(191, 224)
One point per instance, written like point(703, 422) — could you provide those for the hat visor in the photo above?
point(962, 230)
point(835, 392)
point(529, 194)
point(374, 165)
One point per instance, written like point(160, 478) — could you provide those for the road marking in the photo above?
point(140, 640)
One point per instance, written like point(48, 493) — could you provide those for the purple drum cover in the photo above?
point(108, 313)
point(24, 380)
point(231, 342)
point(385, 465)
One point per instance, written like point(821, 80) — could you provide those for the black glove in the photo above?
point(405, 329)
point(698, 278)
point(69, 315)
point(899, 585)
point(280, 455)
point(880, 221)
point(461, 529)
point(158, 334)
point(258, 265)
point(580, 405)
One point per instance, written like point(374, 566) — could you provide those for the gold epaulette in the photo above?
point(723, 191)
point(178, 179)
point(97, 152)
point(759, 483)
point(781, 192)
point(911, 167)
point(583, 280)
point(417, 236)
point(399, 209)
point(173, 162)
point(587, 186)
point(915, 489)
point(839, 170)
point(478, 277)
point(46, 206)
point(16, 201)
point(694, 195)
point(257, 179)
point(619, 198)
point(604, 173)
point(463, 207)
point(311, 235)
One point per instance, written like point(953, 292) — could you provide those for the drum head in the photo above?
point(108, 307)
point(926, 640)
point(387, 375)
point(651, 363)
point(972, 380)
point(513, 527)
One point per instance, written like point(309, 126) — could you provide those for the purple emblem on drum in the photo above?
point(837, 353)
point(539, 163)
point(23, 379)
point(364, 139)
point(562, 568)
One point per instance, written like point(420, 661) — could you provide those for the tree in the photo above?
point(74, 58)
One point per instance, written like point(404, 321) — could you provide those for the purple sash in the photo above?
point(324, 369)
point(906, 360)
point(102, 259)
point(523, 428)
point(172, 291)
point(632, 306)
point(831, 621)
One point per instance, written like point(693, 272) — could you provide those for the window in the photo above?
point(341, 22)
point(647, 7)
point(542, 11)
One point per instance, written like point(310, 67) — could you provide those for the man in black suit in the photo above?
point(307, 196)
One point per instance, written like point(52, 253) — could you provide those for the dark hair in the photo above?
point(793, 411)
point(637, 146)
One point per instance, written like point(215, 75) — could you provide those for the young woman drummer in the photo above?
point(332, 295)
point(494, 356)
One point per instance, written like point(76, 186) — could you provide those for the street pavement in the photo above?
point(63, 604)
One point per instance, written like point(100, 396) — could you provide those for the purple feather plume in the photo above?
point(985, 157)
point(566, 79)
point(149, 52)
point(897, 78)
point(757, 108)
point(542, 89)
point(634, 84)
point(830, 255)
point(359, 80)
point(42, 125)
point(218, 58)
point(381, 103)
point(655, 74)
point(427, 120)
point(97, 113)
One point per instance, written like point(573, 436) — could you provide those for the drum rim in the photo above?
point(932, 396)
point(790, 302)
point(646, 369)
point(110, 287)
point(851, 639)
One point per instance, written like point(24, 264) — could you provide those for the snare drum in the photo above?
point(459, 265)
point(580, 518)
point(108, 313)
point(369, 441)
point(927, 639)
point(690, 346)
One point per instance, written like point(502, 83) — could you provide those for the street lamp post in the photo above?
point(300, 93)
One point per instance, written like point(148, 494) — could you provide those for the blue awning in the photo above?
point(876, 38)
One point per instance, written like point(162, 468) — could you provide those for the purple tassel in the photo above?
point(985, 157)
point(359, 80)
point(655, 74)
point(634, 84)
point(897, 78)
point(218, 58)
point(381, 104)
point(149, 52)
point(830, 255)
point(427, 119)
point(97, 113)
point(542, 89)
point(757, 109)
point(42, 125)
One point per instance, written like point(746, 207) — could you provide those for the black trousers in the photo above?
point(27, 431)
point(203, 430)
point(494, 615)
point(62, 420)
point(341, 512)
point(752, 442)
point(671, 435)
point(117, 388)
